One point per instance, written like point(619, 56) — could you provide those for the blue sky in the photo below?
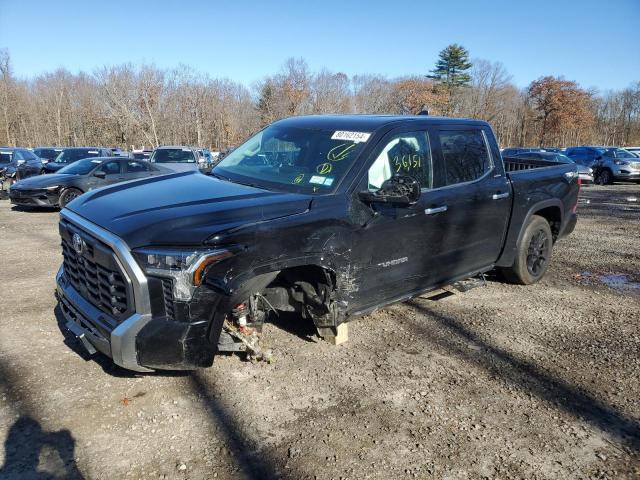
point(596, 43)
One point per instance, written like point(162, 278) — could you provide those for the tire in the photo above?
point(606, 177)
point(68, 195)
point(533, 253)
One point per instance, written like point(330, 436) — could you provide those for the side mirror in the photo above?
point(599, 157)
point(100, 174)
point(403, 190)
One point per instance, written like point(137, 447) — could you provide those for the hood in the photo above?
point(179, 166)
point(182, 208)
point(44, 181)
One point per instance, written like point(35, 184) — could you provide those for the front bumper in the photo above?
point(34, 198)
point(149, 338)
point(585, 178)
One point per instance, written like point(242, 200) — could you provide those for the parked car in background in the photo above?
point(73, 154)
point(584, 173)
point(608, 163)
point(141, 154)
point(19, 163)
point(205, 160)
point(177, 158)
point(47, 154)
point(634, 150)
point(58, 189)
point(509, 152)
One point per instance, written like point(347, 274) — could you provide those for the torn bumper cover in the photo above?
point(150, 335)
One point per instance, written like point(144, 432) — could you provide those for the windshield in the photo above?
point(5, 156)
point(619, 153)
point(71, 155)
point(296, 159)
point(81, 167)
point(173, 155)
point(47, 153)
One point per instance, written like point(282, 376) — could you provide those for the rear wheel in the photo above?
point(68, 195)
point(533, 253)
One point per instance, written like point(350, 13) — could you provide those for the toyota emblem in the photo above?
point(78, 244)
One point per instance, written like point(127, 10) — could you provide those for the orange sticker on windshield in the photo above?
point(340, 152)
point(324, 168)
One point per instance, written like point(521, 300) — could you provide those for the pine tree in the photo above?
point(452, 66)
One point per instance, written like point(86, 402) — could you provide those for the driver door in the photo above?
point(398, 248)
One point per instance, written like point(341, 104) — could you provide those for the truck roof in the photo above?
point(368, 122)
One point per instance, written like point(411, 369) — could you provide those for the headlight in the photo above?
point(44, 161)
point(185, 266)
point(621, 162)
point(53, 189)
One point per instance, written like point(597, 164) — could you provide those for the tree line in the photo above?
point(142, 105)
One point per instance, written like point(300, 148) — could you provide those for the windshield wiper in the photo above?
point(228, 179)
point(221, 177)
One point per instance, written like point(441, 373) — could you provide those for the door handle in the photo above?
point(434, 210)
point(498, 196)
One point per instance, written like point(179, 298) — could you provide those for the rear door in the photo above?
point(476, 195)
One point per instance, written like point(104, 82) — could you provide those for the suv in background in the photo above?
point(609, 163)
point(177, 158)
point(70, 155)
point(19, 163)
point(47, 154)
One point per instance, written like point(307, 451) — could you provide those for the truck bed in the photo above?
point(536, 183)
point(512, 164)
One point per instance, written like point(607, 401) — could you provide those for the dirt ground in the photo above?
point(502, 381)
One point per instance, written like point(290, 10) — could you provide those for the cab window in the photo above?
point(404, 154)
point(465, 155)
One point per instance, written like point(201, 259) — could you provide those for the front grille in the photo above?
point(95, 274)
point(167, 295)
point(23, 192)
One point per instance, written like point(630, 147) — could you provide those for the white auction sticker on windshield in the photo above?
point(96, 161)
point(355, 137)
point(92, 151)
point(317, 179)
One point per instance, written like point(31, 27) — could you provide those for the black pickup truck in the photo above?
point(326, 217)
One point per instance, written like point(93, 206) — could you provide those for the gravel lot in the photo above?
point(502, 381)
